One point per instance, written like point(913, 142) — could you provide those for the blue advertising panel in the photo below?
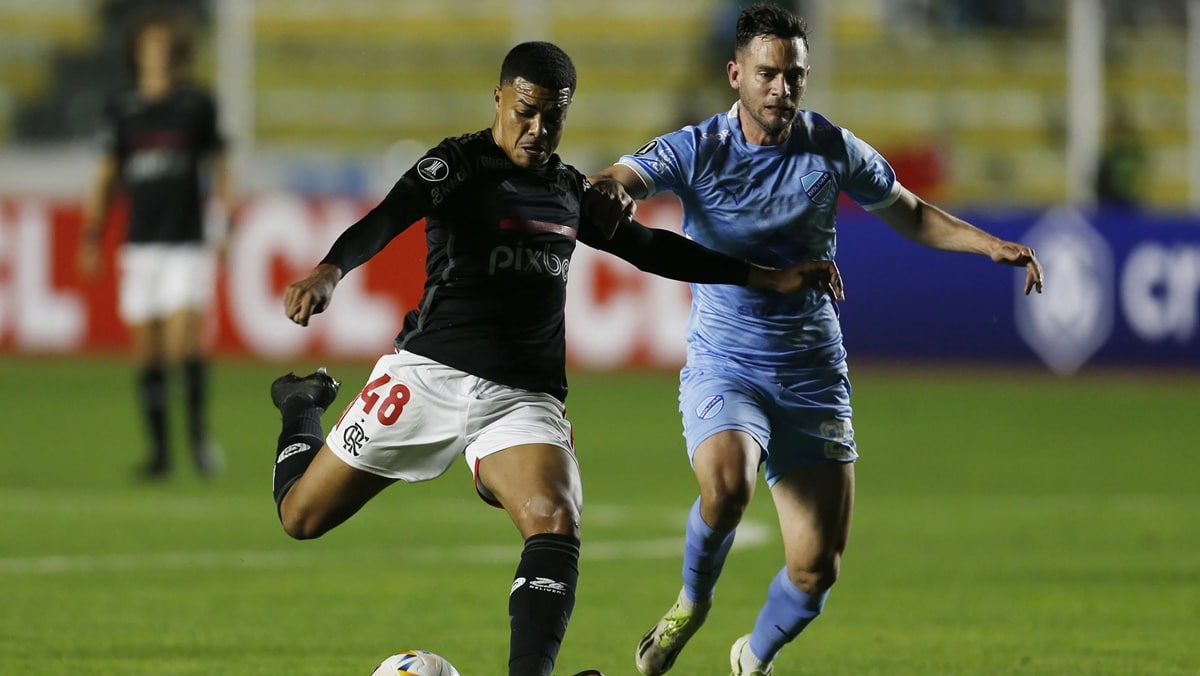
point(1122, 288)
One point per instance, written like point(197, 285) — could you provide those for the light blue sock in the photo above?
point(704, 553)
point(786, 613)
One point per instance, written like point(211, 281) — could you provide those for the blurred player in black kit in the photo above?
point(162, 145)
point(479, 367)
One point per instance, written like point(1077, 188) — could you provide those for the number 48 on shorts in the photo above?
point(416, 416)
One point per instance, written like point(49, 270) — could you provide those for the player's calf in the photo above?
point(540, 603)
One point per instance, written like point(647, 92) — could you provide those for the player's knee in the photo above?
point(724, 504)
point(304, 530)
point(816, 576)
point(548, 514)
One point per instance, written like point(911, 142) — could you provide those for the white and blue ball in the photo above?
point(415, 663)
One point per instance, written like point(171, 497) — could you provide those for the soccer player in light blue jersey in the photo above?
point(766, 380)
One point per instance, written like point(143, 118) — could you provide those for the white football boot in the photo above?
point(744, 663)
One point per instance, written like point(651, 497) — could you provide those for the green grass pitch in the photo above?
point(1007, 522)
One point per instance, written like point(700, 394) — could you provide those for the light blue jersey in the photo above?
point(770, 205)
point(769, 364)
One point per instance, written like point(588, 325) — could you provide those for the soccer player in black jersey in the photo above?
point(479, 367)
point(161, 143)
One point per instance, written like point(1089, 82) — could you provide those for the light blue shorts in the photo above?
point(798, 420)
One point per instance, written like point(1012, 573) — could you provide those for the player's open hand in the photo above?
point(607, 206)
point(311, 295)
point(822, 275)
point(1019, 255)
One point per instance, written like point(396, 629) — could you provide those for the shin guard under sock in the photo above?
point(541, 602)
point(299, 441)
point(786, 613)
point(704, 554)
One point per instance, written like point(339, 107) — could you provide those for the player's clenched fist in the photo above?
point(823, 275)
point(607, 205)
point(311, 295)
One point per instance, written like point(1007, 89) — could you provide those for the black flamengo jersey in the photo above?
point(500, 240)
point(159, 147)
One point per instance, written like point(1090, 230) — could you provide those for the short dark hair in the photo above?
point(541, 63)
point(183, 38)
point(765, 19)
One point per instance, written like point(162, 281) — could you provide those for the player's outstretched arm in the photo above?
point(355, 246)
point(667, 254)
point(311, 295)
point(1019, 255)
point(926, 224)
point(821, 275)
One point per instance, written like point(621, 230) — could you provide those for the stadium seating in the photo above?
point(369, 72)
point(356, 76)
point(32, 34)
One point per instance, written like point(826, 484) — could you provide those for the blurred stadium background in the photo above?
point(999, 111)
point(1037, 515)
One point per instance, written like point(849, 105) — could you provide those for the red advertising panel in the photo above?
point(616, 315)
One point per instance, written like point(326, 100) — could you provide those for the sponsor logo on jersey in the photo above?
point(155, 163)
point(517, 584)
point(292, 450)
point(710, 407)
point(646, 148)
point(433, 169)
point(818, 186)
point(439, 193)
point(1073, 319)
point(528, 260)
point(488, 162)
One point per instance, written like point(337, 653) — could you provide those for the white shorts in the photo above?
point(160, 279)
point(415, 416)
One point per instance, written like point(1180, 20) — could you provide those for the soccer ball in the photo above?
point(415, 663)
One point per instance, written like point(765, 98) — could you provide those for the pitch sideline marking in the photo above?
point(750, 534)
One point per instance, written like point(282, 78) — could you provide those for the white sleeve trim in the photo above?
point(646, 180)
point(892, 196)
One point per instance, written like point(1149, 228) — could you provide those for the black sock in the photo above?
point(541, 601)
point(152, 395)
point(195, 387)
point(299, 441)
